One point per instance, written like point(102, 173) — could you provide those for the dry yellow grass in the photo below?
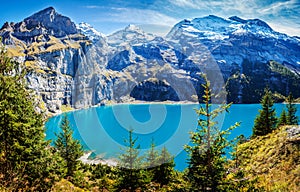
point(66, 108)
point(15, 52)
point(38, 47)
point(274, 160)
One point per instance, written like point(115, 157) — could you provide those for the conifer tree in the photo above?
point(282, 119)
point(159, 165)
point(131, 175)
point(206, 152)
point(292, 119)
point(24, 159)
point(67, 147)
point(152, 156)
point(163, 173)
point(266, 121)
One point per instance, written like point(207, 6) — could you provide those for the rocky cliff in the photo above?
point(78, 66)
point(56, 56)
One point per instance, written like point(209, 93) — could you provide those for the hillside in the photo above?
point(274, 159)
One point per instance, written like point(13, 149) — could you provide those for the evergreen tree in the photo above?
point(266, 121)
point(292, 119)
point(131, 175)
point(152, 156)
point(282, 119)
point(25, 163)
point(160, 166)
point(163, 172)
point(206, 153)
point(68, 148)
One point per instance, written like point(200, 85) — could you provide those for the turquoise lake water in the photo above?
point(103, 129)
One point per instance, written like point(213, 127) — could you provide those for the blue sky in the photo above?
point(158, 16)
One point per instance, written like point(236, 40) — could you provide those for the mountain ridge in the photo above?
point(78, 66)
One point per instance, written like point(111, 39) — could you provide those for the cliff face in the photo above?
point(78, 66)
point(58, 57)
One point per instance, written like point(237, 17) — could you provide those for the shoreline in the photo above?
point(139, 102)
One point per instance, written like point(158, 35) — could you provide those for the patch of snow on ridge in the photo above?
point(191, 29)
point(89, 31)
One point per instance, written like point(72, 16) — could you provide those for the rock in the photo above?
point(80, 67)
point(293, 133)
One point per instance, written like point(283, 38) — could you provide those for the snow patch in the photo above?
point(89, 31)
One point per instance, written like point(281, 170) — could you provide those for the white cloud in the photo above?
point(92, 7)
point(139, 16)
point(281, 15)
point(277, 6)
point(183, 3)
point(285, 28)
point(254, 8)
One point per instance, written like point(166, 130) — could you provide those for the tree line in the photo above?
point(28, 162)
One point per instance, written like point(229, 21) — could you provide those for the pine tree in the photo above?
point(266, 121)
point(282, 119)
point(152, 156)
point(159, 165)
point(206, 152)
point(163, 173)
point(24, 159)
point(292, 119)
point(131, 175)
point(68, 148)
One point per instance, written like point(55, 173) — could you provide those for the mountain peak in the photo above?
point(46, 21)
point(89, 31)
point(217, 28)
point(259, 22)
point(238, 19)
point(210, 18)
point(47, 12)
point(132, 27)
point(132, 34)
point(255, 22)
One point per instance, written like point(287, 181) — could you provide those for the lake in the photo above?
point(103, 129)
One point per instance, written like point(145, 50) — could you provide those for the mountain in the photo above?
point(46, 22)
point(78, 66)
point(235, 39)
point(249, 53)
point(90, 31)
point(52, 49)
point(131, 34)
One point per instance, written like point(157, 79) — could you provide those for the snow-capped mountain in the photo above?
point(234, 39)
point(132, 34)
point(77, 65)
point(90, 31)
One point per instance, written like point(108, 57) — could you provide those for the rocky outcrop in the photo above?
point(78, 66)
point(293, 134)
point(159, 91)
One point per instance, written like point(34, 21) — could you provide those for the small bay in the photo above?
point(103, 129)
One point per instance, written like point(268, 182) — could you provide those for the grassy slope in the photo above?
point(274, 159)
